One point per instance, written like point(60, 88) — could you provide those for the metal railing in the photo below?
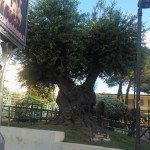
point(25, 114)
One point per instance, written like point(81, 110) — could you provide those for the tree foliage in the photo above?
point(64, 41)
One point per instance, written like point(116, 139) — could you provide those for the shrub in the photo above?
point(112, 108)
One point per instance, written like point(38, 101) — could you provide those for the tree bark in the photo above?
point(76, 102)
point(127, 92)
point(120, 94)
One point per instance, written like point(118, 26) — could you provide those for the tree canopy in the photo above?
point(63, 41)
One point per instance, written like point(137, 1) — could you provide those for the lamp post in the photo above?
point(141, 4)
point(7, 53)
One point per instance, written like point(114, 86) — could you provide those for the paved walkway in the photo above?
point(73, 146)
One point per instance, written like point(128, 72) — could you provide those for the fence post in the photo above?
point(41, 113)
point(8, 115)
point(148, 117)
point(46, 115)
point(31, 119)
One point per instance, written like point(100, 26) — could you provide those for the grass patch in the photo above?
point(82, 136)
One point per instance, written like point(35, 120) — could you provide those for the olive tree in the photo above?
point(72, 49)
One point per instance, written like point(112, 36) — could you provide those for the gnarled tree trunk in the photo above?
point(76, 102)
point(76, 106)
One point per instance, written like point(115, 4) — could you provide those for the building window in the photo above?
point(141, 102)
point(148, 104)
point(130, 103)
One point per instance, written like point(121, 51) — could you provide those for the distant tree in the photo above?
point(129, 78)
point(145, 72)
point(121, 80)
point(112, 81)
point(72, 49)
point(42, 92)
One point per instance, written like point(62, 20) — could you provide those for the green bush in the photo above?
point(113, 108)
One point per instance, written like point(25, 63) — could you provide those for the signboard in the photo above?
point(13, 21)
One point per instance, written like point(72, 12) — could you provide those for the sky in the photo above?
point(11, 79)
point(129, 7)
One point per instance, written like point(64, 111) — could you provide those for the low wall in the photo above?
point(31, 139)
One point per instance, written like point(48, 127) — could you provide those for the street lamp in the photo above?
point(145, 3)
point(141, 4)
